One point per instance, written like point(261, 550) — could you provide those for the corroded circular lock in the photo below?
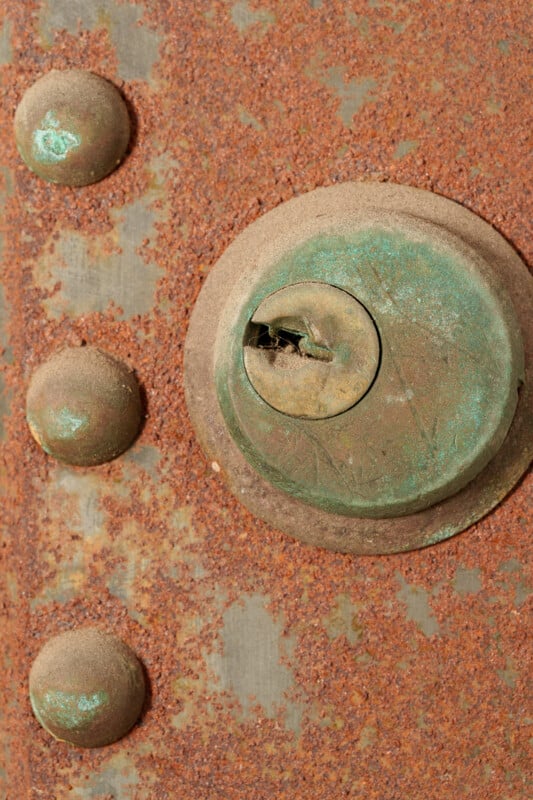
point(355, 364)
point(72, 127)
point(87, 687)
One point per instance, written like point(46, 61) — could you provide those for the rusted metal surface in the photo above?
point(276, 669)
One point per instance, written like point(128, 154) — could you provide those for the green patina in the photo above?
point(51, 142)
point(437, 320)
point(68, 710)
point(62, 424)
point(66, 424)
point(442, 534)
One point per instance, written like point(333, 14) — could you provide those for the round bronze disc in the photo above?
point(312, 351)
point(83, 406)
point(445, 430)
point(72, 127)
point(87, 687)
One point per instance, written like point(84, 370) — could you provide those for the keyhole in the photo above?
point(311, 350)
point(281, 340)
point(265, 337)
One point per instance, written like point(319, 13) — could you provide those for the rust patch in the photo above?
point(81, 275)
point(5, 355)
point(137, 46)
point(250, 663)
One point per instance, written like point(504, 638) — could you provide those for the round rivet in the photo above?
point(87, 687)
point(355, 364)
point(83, 406)
point(72, 127)
point(311, 350)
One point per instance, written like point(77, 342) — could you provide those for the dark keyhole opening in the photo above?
point(281, 341)
point(265, 337)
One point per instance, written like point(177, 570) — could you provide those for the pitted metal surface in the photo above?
point(276, 670)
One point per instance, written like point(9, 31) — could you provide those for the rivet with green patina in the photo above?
point(83, 406)
point(87, 687)
point(72, 127)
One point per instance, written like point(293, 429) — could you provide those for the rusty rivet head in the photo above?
point(87, 687)
point(72, 127)
point(83, 406)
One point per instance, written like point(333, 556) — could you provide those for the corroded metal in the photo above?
point(72, 127)
point(87, 687)
point(83, 406)
point(406, 465)
point(447, 387)
point(277, 670)
point(311, 350)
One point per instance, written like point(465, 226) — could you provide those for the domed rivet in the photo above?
point(83, 406)
point(72, 127)
point(359, 364)
point(87, 687)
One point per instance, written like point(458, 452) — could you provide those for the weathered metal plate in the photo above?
point(276, 670)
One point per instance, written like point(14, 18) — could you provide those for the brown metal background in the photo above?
point(277, 670)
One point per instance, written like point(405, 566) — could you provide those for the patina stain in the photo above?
point(67, 709)
point(51, 143)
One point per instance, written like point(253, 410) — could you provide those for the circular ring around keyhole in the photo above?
point(311, 350)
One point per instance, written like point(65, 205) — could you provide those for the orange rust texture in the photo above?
point(277, 670)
